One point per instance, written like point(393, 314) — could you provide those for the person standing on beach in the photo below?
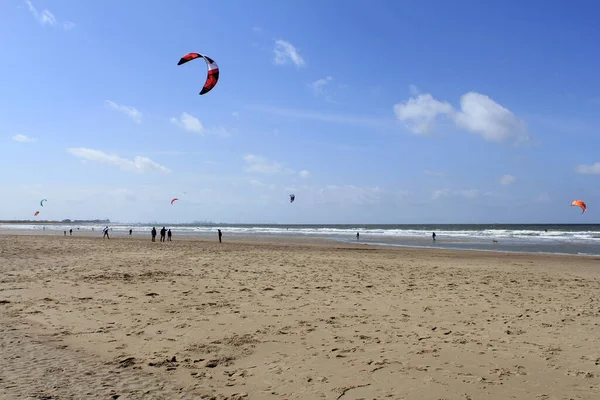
point(220, 234)
point(433, 236)
point(169, 234)
point(163, 232)
point(154, 234)
point(105, 233)
point(70, 232)
point(130, 232)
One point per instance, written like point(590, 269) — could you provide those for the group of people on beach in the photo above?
point(167, 232)
point(163, 233)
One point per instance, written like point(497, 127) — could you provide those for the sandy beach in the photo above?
point(83, 317)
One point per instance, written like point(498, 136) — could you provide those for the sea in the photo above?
point(579, 239)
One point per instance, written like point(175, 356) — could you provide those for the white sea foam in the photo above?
point(337, 232)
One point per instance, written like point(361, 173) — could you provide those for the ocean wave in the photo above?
point(331, 231)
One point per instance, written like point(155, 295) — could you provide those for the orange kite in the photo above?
point(579, 203)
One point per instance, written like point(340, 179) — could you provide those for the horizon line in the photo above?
point(208, 223)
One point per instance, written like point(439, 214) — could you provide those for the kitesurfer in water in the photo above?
point(433, 236)
point(357, 235)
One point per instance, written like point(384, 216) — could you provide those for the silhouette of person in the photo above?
point(169, 234)
point(433, 235)
point(220, 234)
point(357, 235)
point(70, 232)
point(163, 232)
point(106, 233)
point(154, 234)
point(130, 232)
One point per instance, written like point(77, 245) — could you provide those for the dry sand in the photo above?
point(126, 318)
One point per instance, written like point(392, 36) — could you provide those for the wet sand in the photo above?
point(84, 317)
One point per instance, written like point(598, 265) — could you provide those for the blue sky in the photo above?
point(370, 112)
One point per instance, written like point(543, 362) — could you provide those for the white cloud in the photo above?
point(220, 130)
point(593, 169)
point(507, 179)
point(131, 112)
point(192, 124)
point(140, 164)
point(318, 86)
point(304, 174)
point(419, 113)
point(261, 165)
point(285, 52)
point(435, 173)
point(189, 123)
point(45, 18)
point(414, 91)
point(467, 193)
point(440, 193)
point(22, 138)
point(483, 116)
point(235, 115)
point(479, 114)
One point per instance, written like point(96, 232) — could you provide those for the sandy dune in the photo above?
point(126, 318)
